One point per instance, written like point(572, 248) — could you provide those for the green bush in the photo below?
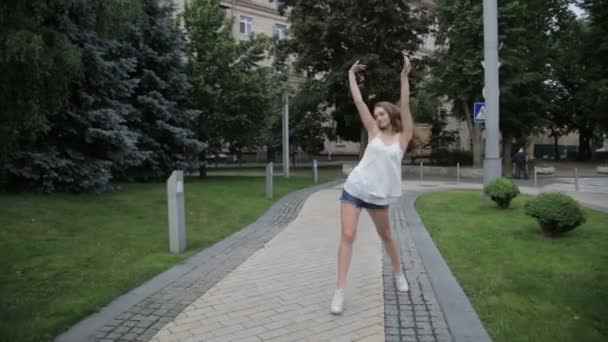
point(502, 191)
point(451, 158)
point(556, 213)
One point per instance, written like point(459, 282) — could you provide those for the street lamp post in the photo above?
point(492, 162)
point(286, 133)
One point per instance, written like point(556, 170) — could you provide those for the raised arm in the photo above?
point(366, 117)
point(406, 114)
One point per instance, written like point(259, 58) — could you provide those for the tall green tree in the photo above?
point(524, 28)
point(566, 86)
point(428, 109)
point(88, 136)
point(38, 63)
point(236, 95)
point(162, 118)
point(456, 70)
point(309, 124)
point(328, 36)
point(596, 90)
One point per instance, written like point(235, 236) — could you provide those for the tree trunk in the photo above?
point(556, 146)
point(477, 146)
point(507, 151)
point(584, 148)
point(363, 143)
point(269, 153)
point(475, 134)
point(202, 170)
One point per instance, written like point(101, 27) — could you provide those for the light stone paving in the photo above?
point(283, 291)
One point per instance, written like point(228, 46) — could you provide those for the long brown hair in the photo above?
point(394, 114)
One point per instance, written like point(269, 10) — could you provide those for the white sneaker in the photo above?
point(337, 303)
point(402, 285)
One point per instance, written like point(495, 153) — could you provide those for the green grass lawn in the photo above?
point(523, 286)
point(64, 256)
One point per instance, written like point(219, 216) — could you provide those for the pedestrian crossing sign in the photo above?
point(479, 112)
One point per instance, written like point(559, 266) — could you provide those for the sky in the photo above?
point(579, 12)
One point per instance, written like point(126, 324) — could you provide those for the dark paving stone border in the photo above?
point(415, 315)
point(141, 313)
point(436, 308)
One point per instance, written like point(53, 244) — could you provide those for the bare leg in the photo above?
point(383, 226)
point(350, 218)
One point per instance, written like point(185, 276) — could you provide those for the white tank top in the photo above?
point(377, 177)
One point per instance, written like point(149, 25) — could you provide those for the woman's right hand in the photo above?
point(355, 68)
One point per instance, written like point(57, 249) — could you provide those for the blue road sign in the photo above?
point(479, 112)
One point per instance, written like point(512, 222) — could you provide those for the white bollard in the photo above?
point(269, 180)
point(177, 217)
point(315, 171)
point(458, 172)
point(421, 170)
point(576, 187)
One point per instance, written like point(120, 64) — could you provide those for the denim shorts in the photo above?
point(348, 198)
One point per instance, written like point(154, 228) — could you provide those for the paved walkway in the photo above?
point(282, 292)
point(588, 185)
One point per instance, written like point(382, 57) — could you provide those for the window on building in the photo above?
point(246, 26)
point(280, 31)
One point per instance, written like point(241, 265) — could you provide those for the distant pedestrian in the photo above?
point(521, 160)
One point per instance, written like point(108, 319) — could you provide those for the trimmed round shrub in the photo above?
point(502, 191)
point(556, 213)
